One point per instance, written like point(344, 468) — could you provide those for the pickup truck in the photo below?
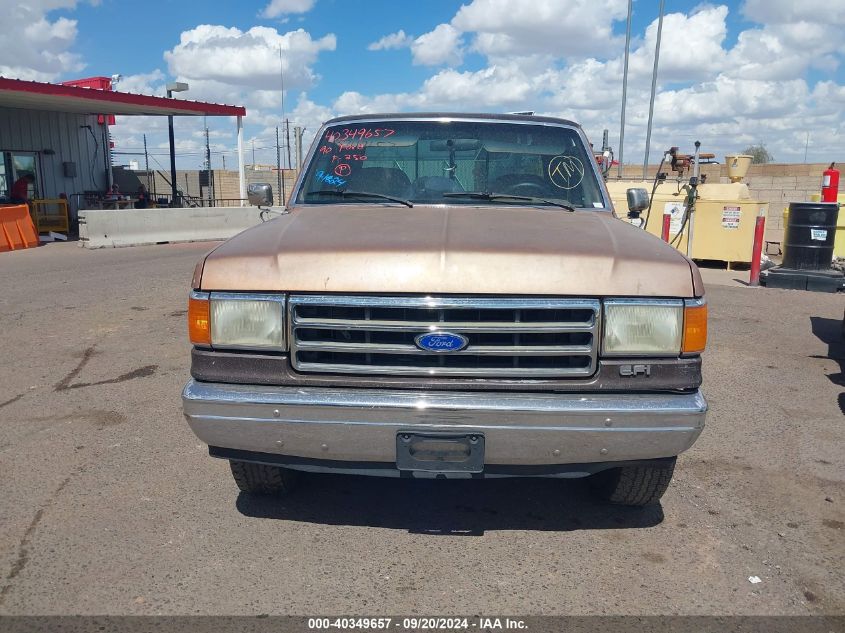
point(448, 295)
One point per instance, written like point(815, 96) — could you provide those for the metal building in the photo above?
point(59, 134)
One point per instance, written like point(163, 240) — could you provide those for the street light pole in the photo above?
point(653, 91)
point(171, 88)
point(625, 88)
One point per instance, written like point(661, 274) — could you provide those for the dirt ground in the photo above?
point(110, 505)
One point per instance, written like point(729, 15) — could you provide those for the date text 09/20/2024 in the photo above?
point(417, 624)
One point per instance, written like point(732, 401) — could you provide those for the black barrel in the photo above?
point(808, 243)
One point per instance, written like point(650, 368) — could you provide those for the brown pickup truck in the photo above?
point(448, 295)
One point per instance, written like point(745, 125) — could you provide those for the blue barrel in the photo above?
point(810, 232)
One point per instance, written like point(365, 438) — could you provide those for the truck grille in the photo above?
point(508, 337)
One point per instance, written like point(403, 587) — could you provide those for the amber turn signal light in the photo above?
point(199, 326)
point(695, 329)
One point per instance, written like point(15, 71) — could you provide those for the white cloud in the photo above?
point(391, 41)
point(690, 46)
point(790, 11)
point(277, 8)
point(562, 29)
point(725, 98)
point(37, 47)
point(226, 65)
point(151, 83)
point(443, 45)
point(500, 85)
point(247, 58)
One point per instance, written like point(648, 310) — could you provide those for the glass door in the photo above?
point(5, 176)
point(24, 163)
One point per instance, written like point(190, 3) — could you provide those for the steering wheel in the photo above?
point(520, 185)
point(530, 189)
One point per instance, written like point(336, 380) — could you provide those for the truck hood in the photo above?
point(450, 250)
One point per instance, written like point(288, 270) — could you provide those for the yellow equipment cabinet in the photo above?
point(724, 218)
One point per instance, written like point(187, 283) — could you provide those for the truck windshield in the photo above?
point(429, 162)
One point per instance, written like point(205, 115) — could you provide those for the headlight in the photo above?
point(242, 321)
point(638, 327)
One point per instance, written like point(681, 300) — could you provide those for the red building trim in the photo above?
point(105, 98)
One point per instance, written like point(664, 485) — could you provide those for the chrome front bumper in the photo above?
point(360, 425)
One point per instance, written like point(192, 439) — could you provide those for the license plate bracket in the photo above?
point(440, 452)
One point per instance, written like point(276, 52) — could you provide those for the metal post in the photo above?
point(297, 134)
point(173, 191)
point(287, 141)
point(696, 176)
point(150, 186)
point(625, 85)
point(241, 174)
point(176, 86)
point(279, 166)
point(757, 249)
point(653, 90)
point(208, 168)
point(107, 156)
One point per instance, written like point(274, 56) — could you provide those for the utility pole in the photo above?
point(279, 166)
point(287, 141)
point(223, 156)
point(806, 147)
point(208, 169)
point(253, 153)
point(653, 89)
point(297, 134)
point(625, 85)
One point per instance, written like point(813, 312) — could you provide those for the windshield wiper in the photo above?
point(358, 194)
point(486, 195)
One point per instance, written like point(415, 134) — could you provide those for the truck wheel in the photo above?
point(634, 485)
point(263, 479)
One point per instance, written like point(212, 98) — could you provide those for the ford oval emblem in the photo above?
point(441, 342)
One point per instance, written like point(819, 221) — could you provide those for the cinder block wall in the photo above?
point(227, 183)
point(775, 183)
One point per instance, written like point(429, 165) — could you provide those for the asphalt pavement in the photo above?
point(110, 505)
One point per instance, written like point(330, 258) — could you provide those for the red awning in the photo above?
point(36, 95)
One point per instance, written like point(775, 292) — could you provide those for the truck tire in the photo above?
point(263, 479)
point(634, 485)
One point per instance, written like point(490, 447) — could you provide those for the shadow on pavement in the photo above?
point(830, 332)
point(451, 507)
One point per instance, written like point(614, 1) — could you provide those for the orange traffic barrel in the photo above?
point(16, 228)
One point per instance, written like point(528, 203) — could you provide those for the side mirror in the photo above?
point(637, 202)
point(260, 194)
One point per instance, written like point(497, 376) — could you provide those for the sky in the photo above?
point(731, 74)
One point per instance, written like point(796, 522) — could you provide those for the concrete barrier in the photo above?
point(136, 227)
